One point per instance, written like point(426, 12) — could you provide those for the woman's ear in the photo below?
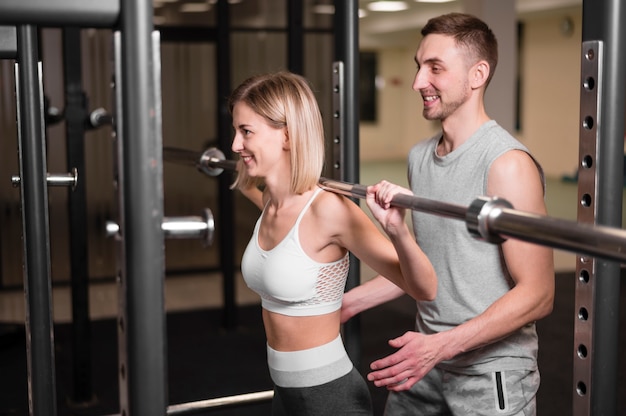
point(286, 141)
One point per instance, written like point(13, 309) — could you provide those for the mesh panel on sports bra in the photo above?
point(331, 283)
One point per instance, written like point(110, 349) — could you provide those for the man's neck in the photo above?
point(458, 128)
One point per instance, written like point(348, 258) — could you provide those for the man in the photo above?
point(474, 350)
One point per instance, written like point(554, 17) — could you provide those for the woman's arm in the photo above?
point(417, 270)
point(403, 262)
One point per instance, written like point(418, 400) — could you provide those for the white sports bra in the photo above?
point(288, 280)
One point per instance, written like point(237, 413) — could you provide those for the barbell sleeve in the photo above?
point(496, 219)
point(212, 162)
point(187, 227)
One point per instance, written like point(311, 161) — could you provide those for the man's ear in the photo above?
point(479, 74)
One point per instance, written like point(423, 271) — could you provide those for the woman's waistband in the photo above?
point(310, 367)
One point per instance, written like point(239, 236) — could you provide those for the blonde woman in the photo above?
point(297, 258)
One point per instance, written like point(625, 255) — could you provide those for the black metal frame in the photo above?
point(226, 203)
point(75, 115)
point(346, 135)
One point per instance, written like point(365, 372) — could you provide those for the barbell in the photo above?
point(491, 219)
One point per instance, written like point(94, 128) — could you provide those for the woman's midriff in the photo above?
point(295, 333)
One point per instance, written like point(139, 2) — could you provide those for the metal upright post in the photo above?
point(226, 199)
point(75, 116)
point(144, 374)
point(347, 166)
point(295, 37)
point(600, 192)
point(35, 220)
point(8, 50)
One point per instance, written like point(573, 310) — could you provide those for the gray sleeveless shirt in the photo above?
point(471, 273)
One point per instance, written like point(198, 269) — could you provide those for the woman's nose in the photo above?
point(236, 146)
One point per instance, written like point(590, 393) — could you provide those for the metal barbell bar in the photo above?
point(494, 220)
point(217, 403)
point(210, 162)
point(240, 399)
point(201, 227)
point(488, 218)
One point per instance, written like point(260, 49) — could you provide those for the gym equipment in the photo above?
point(491, 219)
point(54, 179)
point(202, 227)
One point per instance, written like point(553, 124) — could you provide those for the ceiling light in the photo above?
point(387, 6)
point(433, 1)
point(362, 13)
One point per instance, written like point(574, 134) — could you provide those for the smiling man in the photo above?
point(474, 348)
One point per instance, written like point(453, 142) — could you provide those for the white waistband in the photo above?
point(306, 359)
point(311, 367)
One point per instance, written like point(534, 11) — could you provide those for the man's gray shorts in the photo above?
point(443, 393)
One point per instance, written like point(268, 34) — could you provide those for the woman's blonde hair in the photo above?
point(285, 99)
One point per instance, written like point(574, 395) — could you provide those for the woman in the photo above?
point(297, 258)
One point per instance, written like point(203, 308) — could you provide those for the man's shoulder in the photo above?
point(495, 131)
point(497, 139)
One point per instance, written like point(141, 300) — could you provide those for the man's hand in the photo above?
point(417, 354)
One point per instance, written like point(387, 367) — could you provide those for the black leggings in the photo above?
point(347, 395)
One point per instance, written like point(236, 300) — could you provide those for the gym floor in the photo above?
point(207, 361)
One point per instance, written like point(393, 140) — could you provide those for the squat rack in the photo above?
point(144, 390)
point(141, 326)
